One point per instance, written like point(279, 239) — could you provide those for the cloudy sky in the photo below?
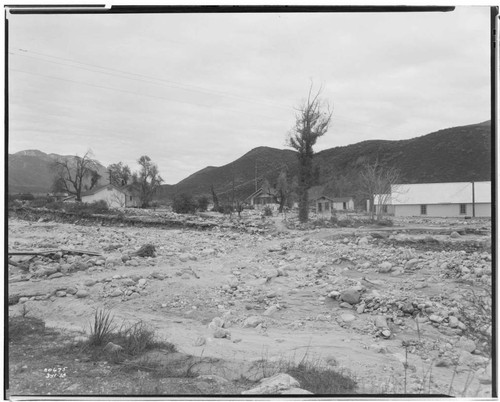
point(193, 90)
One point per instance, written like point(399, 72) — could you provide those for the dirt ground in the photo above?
point(280, 293)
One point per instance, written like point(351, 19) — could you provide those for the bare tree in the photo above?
point(376, 182)
point(311, 122)
point(148, 179)
point(72, 175)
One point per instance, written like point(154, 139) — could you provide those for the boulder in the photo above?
point(252, 321)
point(466, 344)
point(221, 333)
point(455, 235)
point(81, 293)
point(112, 348)
point(271, 310)
point(381, 322)
point(200, 341)
point(385, 267)
point(117, 292)
point(347, 317)
point(363, 241)
point(274, 385)
point(351, 296)
point(295, 391)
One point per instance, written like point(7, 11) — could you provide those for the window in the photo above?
point(423, 209)
point(384, 209)
point(344, 205)
point(327, 206)
point(463, 209)
point(319, 206)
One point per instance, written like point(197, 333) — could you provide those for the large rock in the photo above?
point(274, 385)
point(112, 348)
point(113, 260)
point(385, 267)
point(222, 333)
point(81, 293)
point(295, 391)
point(381, 322)
point(466, 344)
point(351, 296)
point(252, 321)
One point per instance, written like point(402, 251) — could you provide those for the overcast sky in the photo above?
point(193, 90)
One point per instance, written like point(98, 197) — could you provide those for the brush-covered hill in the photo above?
point(450, 155)
point(261, 162)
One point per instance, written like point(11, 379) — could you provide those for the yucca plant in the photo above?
point(102, 327)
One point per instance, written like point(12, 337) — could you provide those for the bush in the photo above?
point(38, 202)
point(385, 222)
point(226, 209)
point(267, 211)
point(102, 328)
point(184, 204)
point(84, 208)
point(57, 205)
point(25, 197)
point(202, 203)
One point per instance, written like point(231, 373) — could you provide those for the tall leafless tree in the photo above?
point(311, 122)
point(73, 175)
point(376, 183)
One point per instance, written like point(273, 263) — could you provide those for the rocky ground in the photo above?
point(383, 303)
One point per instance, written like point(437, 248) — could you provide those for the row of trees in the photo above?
point(78, 174)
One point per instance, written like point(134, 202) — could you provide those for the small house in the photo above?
point(114, 196)
point(325, 204)
point(261, 198)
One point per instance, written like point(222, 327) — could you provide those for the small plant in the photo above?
point(25, 310)
point(102, 327)
point(267, 211)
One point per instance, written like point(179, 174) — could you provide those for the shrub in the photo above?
point(202, 203)
point(102, 328)
point(226, 209)
point(57, 205)
point(84, 208)
point(38, 202)
point(25, 197)
point(385, 222)
point(344, 223)
point(184, 204)
point(267, 211)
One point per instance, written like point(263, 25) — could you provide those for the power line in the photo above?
point(138, 94)
point(146, 78)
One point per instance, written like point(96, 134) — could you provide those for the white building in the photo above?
point(115, 197)
point(463, 199)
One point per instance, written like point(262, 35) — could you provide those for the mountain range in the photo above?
point(449, 155)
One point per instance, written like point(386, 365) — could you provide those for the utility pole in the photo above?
point(256, 175)
point(473, 201)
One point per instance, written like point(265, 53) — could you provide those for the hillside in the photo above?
point(30, 171)
point(454, 154)
point(263, 162)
